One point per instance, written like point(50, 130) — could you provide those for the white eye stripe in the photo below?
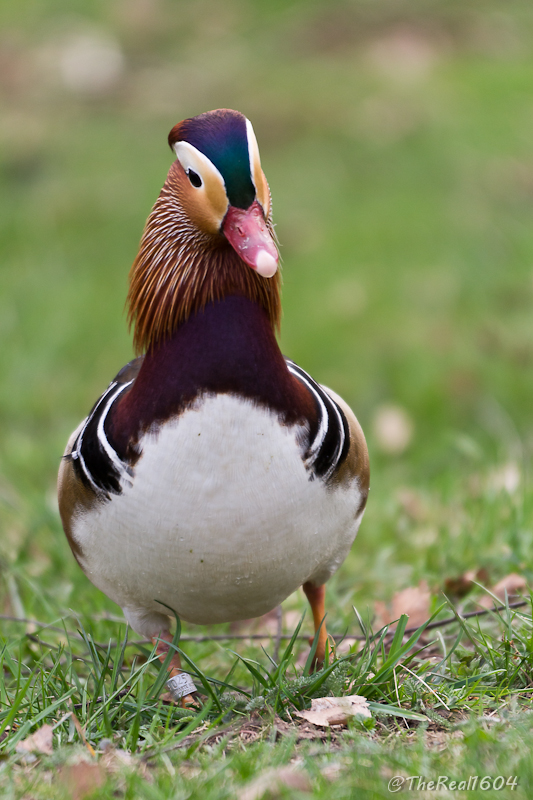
point(207, 203)
point(253, 153)
point(258, 179)
point(191, 158)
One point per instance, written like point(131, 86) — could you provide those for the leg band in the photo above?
point(180, 685)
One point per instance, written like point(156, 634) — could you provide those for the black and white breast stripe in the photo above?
point(96, 462)
point(329, 448)
point(100, 467)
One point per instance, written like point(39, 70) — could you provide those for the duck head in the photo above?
point(210, 232)
point(224, 189)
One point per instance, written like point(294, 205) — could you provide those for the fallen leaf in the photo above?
point(81, 779)
point(512, 583)
point(413, 601)
point(326, 711)
point(462, 584)
point(274, 781)
point(38, 742)
point(382, 615)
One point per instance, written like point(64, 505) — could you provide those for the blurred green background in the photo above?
point(397, 138)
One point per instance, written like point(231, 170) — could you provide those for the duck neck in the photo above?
point(179, 270)
point(228, 347)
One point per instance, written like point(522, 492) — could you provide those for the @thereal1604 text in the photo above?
point(419, 783)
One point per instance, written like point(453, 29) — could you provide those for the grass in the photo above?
point(397, 141)
point(95, 697)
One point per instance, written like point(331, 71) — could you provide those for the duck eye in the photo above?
point(194, 178)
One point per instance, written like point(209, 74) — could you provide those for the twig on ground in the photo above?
point(101, 699)
point(228, 637)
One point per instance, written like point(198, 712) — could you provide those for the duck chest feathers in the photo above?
point(228, 349)
point(215, 472)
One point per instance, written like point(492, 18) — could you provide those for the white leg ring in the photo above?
point(180, 685)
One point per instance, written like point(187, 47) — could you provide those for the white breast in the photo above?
point(222, 521)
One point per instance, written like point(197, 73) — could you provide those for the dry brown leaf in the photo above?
point(326, 711)
point(512, 583)
point(382, 615)
point(274, 781)
point(82, 779)
point(39, 742)
point(413, 601)
point(462, 584)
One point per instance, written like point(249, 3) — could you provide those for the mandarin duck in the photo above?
point(213, 476)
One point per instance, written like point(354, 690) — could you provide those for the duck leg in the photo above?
point(317, 596)
point(179, 684)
